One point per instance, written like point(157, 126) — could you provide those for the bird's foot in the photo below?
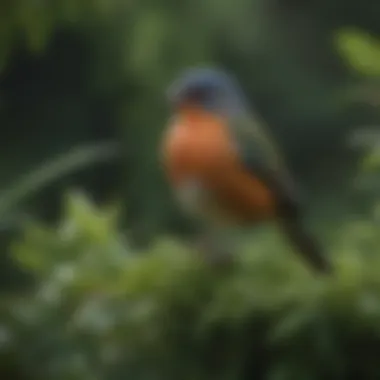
point(215, 254)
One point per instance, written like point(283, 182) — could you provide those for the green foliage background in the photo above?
point(106, 289)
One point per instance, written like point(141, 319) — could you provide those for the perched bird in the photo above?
point(222, 165)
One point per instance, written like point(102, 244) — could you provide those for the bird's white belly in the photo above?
point(192, 196)
point(197, 201)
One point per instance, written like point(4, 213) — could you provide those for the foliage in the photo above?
point(75, 75)
point(362, 51)
point(36, 22)
point(100, 312)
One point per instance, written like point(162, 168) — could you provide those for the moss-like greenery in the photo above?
point(99, 311)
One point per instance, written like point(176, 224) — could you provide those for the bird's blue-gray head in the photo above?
point(208, 88)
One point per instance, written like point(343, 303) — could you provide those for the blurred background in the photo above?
point(96, 282)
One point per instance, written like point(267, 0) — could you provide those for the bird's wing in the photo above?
point(261, 157)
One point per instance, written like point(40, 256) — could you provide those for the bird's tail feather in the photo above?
point(306, 245)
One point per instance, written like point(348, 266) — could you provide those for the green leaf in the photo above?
point(76, 159)
point(361, 50)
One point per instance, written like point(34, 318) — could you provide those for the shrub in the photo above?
point(98, 311)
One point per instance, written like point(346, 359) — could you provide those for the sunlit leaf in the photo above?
point(361, 50)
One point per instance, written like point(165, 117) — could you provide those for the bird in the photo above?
point(224, 167)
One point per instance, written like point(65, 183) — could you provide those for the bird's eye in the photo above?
point(198, 93)
point(202, 92)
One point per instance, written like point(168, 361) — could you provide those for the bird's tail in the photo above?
point(306, 245)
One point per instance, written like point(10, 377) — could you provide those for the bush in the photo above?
point(98, 311)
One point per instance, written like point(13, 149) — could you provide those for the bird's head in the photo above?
point(206, 88)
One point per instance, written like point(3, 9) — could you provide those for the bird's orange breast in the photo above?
point(197, 146)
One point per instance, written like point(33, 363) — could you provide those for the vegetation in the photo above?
point(96, 280)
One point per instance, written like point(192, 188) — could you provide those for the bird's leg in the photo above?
point(215, 247)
